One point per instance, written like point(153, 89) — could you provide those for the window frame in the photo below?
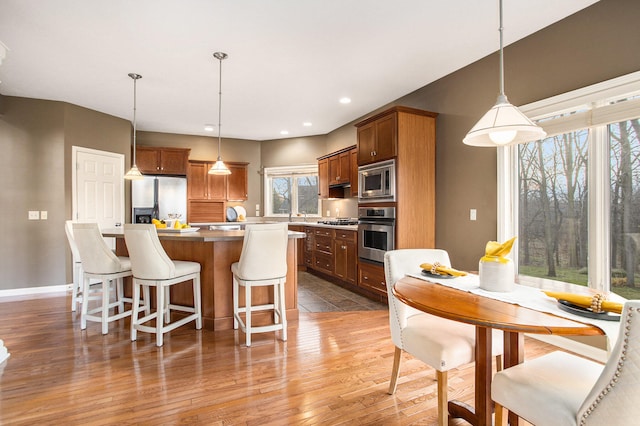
point(288, 171)
point(598, 178)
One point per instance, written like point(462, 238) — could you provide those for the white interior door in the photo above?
point(98, 187)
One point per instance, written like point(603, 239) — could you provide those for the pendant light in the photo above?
point(503, 124)
point(134, 173)
point(219, 168)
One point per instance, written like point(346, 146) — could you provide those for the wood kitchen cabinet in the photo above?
point(377, 139)
point(334, 173)
point(371, 278)
point(204, 186)
point(309, 247)
point(323, 251)
point(340, 168)
point(354, 172)
point(345, 255)
point(301, 245)
point(162, 161)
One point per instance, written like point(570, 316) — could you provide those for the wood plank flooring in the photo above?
point(333, 370)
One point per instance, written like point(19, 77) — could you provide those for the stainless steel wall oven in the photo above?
point(376, 232)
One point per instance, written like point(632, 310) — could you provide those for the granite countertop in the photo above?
point(201, 235)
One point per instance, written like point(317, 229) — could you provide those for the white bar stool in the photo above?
point(153, 268)
point(263, 262)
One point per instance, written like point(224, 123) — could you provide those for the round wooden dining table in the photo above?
point(486, 314)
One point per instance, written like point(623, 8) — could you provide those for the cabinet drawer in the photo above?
point(324, 232)
point(371, 277)
point(323, 244)
point(346, 235)
point(323, 262)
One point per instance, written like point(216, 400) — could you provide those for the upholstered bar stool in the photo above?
point(101, 264)
point(153, 268)
point(438, 342)
point(263, 262)
point(76, 292)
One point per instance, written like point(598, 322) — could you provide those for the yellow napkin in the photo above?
point(442, 270)
point(496, 252)
point(585, 301)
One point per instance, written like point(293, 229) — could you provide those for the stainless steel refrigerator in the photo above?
point(158, 197)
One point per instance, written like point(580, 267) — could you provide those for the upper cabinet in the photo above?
point(377, 139)
point(162, 161)
point(203, 186)
point(335, 172)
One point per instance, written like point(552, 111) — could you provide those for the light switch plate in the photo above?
point(472, 214)
point(43, 214)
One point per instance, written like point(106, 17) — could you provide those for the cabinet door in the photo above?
point(345, 167)
point(237, 183)
point(197, 181)
point(173, 161)
point(386, 138)
point(345, 256)
point(334, 170)
point(323, 178)
point(148, 160)
point(217, 186)
point(354, 172)
point(366, 143)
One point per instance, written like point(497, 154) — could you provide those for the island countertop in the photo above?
point(201, 235)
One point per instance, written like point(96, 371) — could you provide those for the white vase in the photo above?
point(497, 276)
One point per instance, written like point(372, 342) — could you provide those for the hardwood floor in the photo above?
point(333, 370)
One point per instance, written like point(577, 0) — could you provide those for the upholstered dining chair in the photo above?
point(76, 292)
point(152, 267)
point(438, 342)
point(101, 264)
point(263, 262)
point(563, 389)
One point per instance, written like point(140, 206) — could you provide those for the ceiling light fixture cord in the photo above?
point(219, 168)
point(134, 173)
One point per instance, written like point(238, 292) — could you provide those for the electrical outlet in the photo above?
point(34, 215)
point(43, 215)
point(472, 214)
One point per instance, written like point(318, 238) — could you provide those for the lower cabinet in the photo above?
point(346, 257)
point(323, 250)
point(371, 278)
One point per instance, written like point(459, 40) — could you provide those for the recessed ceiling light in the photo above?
point(284, 132)
point(345, 100)
point(208, 127)
point(307, 124)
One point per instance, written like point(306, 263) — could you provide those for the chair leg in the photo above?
point(283, 310)
point(247, 321)
point(443, 398)
point(135, 309)
point(119, 290)
point(76, 286)
point(105, 305)
point(167, 302)
point(160, 314)
point(85, 303)
point(197, 302)
point(501, 415)
point(395, 371)
point(235, 302)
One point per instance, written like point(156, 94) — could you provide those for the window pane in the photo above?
point(625, 205)
point(553, 208)
point(281, 194)
point(307, 194)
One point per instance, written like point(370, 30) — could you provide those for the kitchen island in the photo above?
point(215, 251)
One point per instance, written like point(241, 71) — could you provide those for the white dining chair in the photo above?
point(263, 262)
point(438, 342)
point(152, 267)
point(561, 389)
point(101, 264)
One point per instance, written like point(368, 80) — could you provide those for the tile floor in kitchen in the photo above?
point(318, 295)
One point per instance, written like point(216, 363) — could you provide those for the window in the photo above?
point(291, 190)
point(573, 198)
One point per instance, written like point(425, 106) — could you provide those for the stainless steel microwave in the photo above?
point(377, 181)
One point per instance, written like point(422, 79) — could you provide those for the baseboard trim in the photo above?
point(35, 290)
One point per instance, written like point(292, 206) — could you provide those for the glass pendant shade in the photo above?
point(219, 168)
point(503, 125)
point(134, 173)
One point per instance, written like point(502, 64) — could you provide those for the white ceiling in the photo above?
point(290, 61)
